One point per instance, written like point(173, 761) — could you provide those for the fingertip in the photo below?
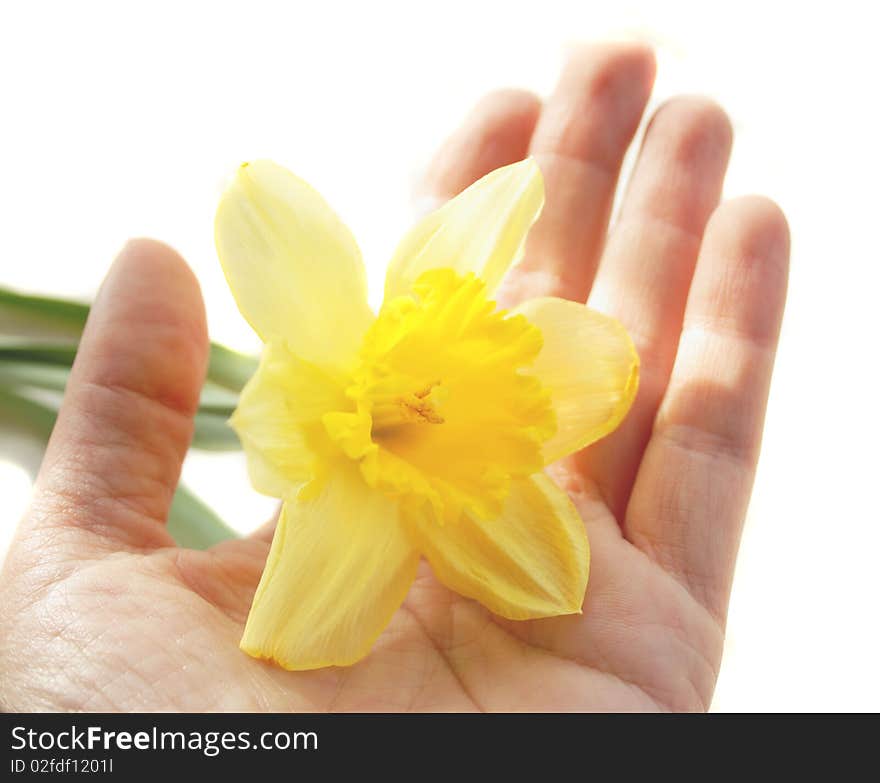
point(753, 229)
point(742, 275)
point(680, 170)
point(150, 260)
point(514, 106)
point(497, 132)
point(604, 68)
point(765, 216)
point(634, 58)
point(150, 295)
point(598, 103)
point(695, 129)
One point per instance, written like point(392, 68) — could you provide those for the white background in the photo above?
point(123, 119)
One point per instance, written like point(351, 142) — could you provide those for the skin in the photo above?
point(101, 611)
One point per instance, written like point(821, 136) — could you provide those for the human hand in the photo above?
point(101, 611)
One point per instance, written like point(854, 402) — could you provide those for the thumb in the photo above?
point(114, 458)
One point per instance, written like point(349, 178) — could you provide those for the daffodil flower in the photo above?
point(420, 431)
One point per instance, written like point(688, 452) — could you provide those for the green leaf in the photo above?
point(229, 368)
point(212, 433)
point(216, 399)
point(22, 314)
point(34, 374)
point(43, 372)
point(37, 419)
point(190, 521)
point(193, 524)
point(24, 350)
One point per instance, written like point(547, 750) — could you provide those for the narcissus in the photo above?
point(420, 431)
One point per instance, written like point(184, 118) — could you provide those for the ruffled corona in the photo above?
point(443, 413)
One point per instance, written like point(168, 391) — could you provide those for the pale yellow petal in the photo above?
point(268, 479)
point(293, 266)
point(481, 230)
point(339, 568)
point(531, 561)
point(278, 419)
point(590, 366)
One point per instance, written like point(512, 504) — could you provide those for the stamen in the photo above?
point(416, 407)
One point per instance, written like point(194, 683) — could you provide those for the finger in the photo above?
point(693, 486)
point(579, 143)
point(114, 459)
point(496, 133)
point(646, 270)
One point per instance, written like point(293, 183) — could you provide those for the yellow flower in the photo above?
point(421, 431)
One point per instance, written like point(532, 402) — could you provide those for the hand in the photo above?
point(100, 611)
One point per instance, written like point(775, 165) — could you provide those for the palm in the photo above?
point(160, 631)
point(93, 580)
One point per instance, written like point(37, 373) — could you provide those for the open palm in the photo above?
point(100, 611)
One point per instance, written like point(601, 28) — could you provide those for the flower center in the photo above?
point(444, 418)
point(408, 407)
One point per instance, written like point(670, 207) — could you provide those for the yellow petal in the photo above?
point(293, 267)
point(339, 567)
point(531, 561)
point(482, 230)
point(590, 366)
point(278, 419)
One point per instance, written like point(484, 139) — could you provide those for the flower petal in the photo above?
point(590, 366)
point(293, 266)
point(531, 561)
point(339, 567)
point(481, 230)
point(278, 419)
